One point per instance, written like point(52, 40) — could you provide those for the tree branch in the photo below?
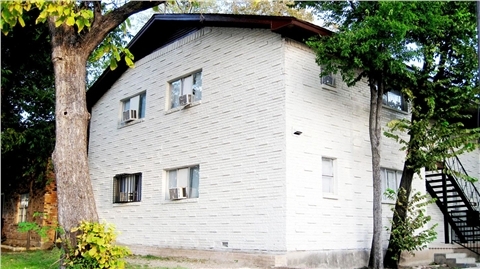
point(106, 23)
point(97, 12)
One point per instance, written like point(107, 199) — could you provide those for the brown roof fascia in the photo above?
point(163, 29)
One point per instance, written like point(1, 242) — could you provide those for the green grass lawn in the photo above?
point(30, 259)
point(44, 259)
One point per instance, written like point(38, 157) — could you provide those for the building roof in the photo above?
point(163, 29)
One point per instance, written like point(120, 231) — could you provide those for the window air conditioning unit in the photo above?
point(328, 80)
point(178, 193)
point(129, 115)
point(185, 99)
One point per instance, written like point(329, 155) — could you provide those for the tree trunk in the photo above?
point(74, 190)
point(392, 257)
point(376, 94)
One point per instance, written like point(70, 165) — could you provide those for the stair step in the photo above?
point(433, 175)
point(455, 255)
point(449, 185)
point(458, 260)
point(454, 201)
point(456, 206)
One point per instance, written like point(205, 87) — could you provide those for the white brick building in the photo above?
point(274, 162)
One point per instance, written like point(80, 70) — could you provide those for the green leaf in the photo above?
point(20, 20)
point(113, 64)
point(129, 62)
point(59, 22)
point(60, 9)
point(86, 13)
point(70, 21)
point(80, 24)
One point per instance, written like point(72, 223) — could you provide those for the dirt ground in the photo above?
point(185, 263)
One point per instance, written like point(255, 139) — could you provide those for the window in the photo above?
point(191, 84)
point(134, 107)
point(395, 99)
point(328, 176)
point(127, 188)
point(390, 180)
point(22, 207)
point(183, 183)
point(329, 80)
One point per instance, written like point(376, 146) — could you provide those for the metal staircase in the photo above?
point(459, 200)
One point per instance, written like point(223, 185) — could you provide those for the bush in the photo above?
point(409, 234)
point(95, 248)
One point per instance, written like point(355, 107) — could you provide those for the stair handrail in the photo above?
point(465, 186)
point(472, 245)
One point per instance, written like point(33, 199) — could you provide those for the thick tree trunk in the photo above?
point(74, 189)
point(376, 93)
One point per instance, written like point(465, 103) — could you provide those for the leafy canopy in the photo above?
point(69, 13)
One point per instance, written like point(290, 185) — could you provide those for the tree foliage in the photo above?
point(251, 7)
point(410, 234)
point(370, 43)
point(441, 90)
point(28, 100)
point(76, 29)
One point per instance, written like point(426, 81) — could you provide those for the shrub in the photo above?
point(95, 248)
point(409, 234)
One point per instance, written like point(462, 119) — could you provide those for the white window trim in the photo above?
point(328, 195)
point(165, 197)
point(121, 123)
point(383, 177)
point(168, 93)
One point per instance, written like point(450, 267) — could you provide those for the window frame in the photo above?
point(188, 183)
point(385, 183)
point(403, 107)
point(333, 177)
point(23, 203)
point(133, 189)
point(173, 102)
point(324, 83)
point(140, 107)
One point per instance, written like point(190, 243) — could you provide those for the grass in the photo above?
point(44, 259)
point(31, 259)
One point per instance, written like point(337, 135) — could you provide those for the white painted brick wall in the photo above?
point(236, 135)
point(334, 122)
point(260, 186)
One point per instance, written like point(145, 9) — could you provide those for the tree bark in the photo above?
point(376, 94)
point(74, 190)
point(70, 51)
point(392, 256)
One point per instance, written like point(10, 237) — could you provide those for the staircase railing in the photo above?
point(467, 230)
point(473, 234)
point(460, 175)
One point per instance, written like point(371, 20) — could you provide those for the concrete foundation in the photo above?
point(354, 258)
